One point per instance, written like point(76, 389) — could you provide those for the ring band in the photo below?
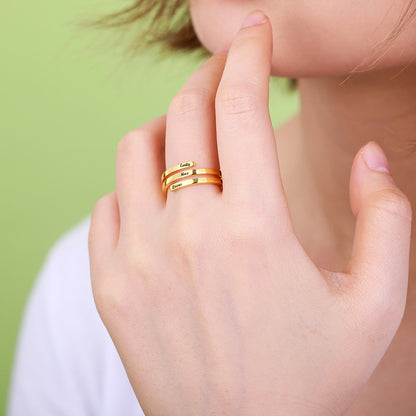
point(176, 172)
point(193, 181)
point(176, 168)
point(189, 172)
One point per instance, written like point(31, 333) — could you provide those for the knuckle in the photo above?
point(242, 226)
point(387, 318)
point(107, 294)
point(392, 202)
point(187, 234)
point(381, 315)
point(256, 226)
point(102, 204)
point(185, 245)
point(127, 143)
point(113, 303)
point(137, 260)
point(116, 286)
point(189, 101)
point(237, 100)
point(387, 306)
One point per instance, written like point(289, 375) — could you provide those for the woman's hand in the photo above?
point(211, 301)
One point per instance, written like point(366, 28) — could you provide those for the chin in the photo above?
point(312, 47)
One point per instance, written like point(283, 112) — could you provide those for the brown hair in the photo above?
point(169, 26)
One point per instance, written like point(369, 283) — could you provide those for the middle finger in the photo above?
point(191, 129)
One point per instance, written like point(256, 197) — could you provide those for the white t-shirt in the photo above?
point(65, 362)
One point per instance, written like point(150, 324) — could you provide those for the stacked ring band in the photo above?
point(171, 178)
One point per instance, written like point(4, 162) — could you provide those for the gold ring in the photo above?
point(176, 172)
point(189, 172)
point(194, 181)
point(176, 168)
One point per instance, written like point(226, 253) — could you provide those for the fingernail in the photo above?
point(375, 158)
point(255, 18)
point(224, 48)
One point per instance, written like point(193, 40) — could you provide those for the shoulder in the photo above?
point(65, 279)
point(64, 349)
point(71, 248)
point(63, 282)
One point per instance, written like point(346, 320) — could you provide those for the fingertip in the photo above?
point(375, 158)
point(370, 170)
point(256, 17)
point(222, 49)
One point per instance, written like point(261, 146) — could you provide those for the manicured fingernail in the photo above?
point(375, 158)
point(255, 18)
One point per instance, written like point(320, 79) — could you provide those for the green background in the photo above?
point(67, 96)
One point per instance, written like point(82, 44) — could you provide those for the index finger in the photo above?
point(245, 135)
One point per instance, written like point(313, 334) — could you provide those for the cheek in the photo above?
point(315, 38)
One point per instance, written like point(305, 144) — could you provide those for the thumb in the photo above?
point(379, 263)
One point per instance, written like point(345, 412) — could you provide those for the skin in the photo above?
point(340, 112)
point(281, 322)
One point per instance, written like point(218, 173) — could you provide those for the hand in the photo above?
point(211, 301)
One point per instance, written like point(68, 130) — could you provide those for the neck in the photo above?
point(335, 120)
